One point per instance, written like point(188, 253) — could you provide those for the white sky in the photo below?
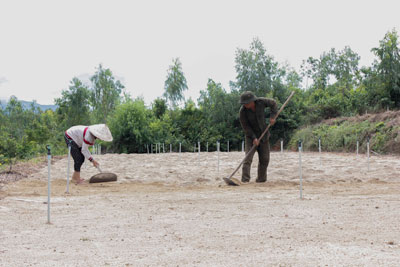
point(44, 44)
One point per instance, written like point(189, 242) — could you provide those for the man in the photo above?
point(253, 122)
point(80, 138)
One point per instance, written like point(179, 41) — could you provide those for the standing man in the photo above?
point(253, 122)
point(80, 138)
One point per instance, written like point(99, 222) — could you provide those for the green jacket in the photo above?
point(254, 123)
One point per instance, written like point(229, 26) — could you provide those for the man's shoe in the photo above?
point(261, 180)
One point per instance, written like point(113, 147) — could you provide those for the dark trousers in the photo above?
point(263, 161)
point(76, 153)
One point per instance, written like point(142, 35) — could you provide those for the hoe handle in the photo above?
point(262, 135)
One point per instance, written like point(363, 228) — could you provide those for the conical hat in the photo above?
point(101, 131)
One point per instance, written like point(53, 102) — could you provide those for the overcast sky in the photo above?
point(44, 44)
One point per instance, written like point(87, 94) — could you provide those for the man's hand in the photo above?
point(272, 121)
point(95, 163)
point(256, 141)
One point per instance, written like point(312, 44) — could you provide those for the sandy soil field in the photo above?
point(174, 210)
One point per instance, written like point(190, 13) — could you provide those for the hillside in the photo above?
point(341, 134)
point(27, 105)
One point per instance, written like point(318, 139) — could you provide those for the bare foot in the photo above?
point(81, 181)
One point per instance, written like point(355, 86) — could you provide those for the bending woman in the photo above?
point(80, 138)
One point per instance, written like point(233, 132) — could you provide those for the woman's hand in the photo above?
point(95, 163)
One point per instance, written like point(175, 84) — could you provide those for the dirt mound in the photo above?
point(23, 170)
point(392, 118)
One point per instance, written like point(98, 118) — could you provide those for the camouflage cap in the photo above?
point(247, 97)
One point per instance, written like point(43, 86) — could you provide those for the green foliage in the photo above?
point(105, 94)
point(388, 66)
point(342, 136)
point(24, 132)
point(175, 83)
point(73, 105)
point(159, 107)
point(255, 70)
point(130, 127)
point(220, 115)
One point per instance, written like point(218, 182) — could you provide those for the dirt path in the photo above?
point(174, 210)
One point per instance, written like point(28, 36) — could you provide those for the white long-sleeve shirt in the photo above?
point(83, 138)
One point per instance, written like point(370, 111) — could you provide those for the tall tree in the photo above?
point(388, 65)
point(105, 94)
point(255, 70)
point(341, 65)
point(220, 111)
point(175, 83)
point(73, 105)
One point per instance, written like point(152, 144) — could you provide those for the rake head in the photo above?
point(232, 181)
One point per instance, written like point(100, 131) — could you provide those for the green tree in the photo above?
point(129, 125)
point(335, 75)
point(105, 94)
point(388, 66)
point(73, 105)
point(159, 107)
point(332, 67)
point(189, 124)
point(175, 83)
point(221, 114)
point(14, 143)
point(255, 70)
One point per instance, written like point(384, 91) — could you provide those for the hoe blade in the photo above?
point(232, 181)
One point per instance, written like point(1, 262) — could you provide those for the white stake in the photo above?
point(218, 156)
point(357, 147)
point(319, 149)
point(207, 146)
point(228, 146)
point(242, 146)
point(300, 171)
point(198, 153)
point(163, 150)
point(147, 148)
point(170, 148)
point(69, 156)
point(281, 145)
point(180, 147)
point(368, 152)
point(48, 183)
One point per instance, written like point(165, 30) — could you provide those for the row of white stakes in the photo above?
point(157, 148)
point(319, 150)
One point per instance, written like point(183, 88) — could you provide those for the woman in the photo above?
point(80, 138)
